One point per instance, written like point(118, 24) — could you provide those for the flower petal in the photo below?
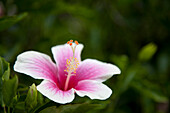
point(93, 89)
point(36, 65)
point(61, 53)
point(90, 69)
point(52, 91)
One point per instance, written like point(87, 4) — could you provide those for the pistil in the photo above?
point(72, 64)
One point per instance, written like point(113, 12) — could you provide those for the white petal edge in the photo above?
point(51, 91)
point(92, 69)
point(93, 89)
point(26, 64)
point(56, 51)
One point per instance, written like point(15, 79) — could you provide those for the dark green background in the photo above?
point(132, 34)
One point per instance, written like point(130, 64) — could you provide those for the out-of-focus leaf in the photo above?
point(147, 105)
point(127, 80)
point(15, 100)
point(9, 90)
point(65, 7)
point(148, 89)
point(7, 22)
point(52, 109)
point(72, 108)
point(31, 99)
point(4, 74)
point(127, 77)
point(121, 61)
point(147, 52)
point(4, 69)
point(163, 63)
point(20, 105)
point(40, 98)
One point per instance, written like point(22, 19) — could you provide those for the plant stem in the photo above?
point(8, 109)
point(4, 110)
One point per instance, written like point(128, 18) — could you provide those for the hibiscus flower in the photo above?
point(68, 75)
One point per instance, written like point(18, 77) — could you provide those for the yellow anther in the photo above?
point(71, 65)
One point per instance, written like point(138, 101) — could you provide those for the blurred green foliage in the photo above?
point(8, 87)
point(31, 99)
point(132, 34)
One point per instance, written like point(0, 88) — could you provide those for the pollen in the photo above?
point(70, 44)
point(71, 65)
point(76, 42)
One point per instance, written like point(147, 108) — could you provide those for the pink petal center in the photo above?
point(67, 58)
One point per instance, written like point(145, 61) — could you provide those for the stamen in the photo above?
point(71, 40)
point(76, 42)
point(71, 64)
point(70, 44)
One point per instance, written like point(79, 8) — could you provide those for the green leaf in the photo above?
point(147, 52)
point(4, 74)
point(40, 98)
point(4, 69)
point(127, 80)
point(9, 90)
point(150, 90)
point(52, 109)
point(72, 108)
point(128, 76)
point(20, 105)
point(121, 61)
point(7, 22)
point(31, 99)
point(147, 105)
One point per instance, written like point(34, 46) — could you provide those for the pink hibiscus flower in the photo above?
point(69, 75)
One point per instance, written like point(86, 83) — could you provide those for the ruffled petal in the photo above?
point(36, 65)
point(91, 69)
point(52, 91)
point(93, 89)
point(61, 53)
